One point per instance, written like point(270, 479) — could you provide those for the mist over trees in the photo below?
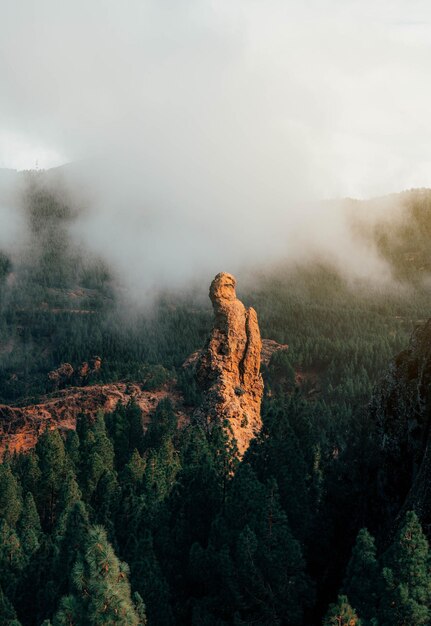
point(112, 525)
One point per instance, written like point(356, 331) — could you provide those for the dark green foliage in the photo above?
point(72, 448)
point(208, 540)
point(134, 471)
point(189, 387)
point(407, 577)
point(253, 567)
point(7, 612)
point(97, 454)
point(12, 558)
point(100, 588)
point(27, 469)
point(362, 581)
point(149, 579)
point(162, 426)
point(10, 496)
point(287, 450)
point(70, 537)
point(69, 495)
point(52, 465)
point(125, 429)
point(29, 528)
point(341, 614)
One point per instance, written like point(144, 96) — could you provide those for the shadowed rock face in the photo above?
point(228, 369)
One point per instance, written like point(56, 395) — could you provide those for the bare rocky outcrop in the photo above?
point(67, 375)
point(61, 375)
point(89, 367)
point(269, 347)
point(20, 427)
point(228, 369)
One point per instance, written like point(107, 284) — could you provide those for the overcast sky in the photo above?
point(332, 96)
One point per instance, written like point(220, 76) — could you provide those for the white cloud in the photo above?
point(18, 152)
point(337, 91)
point(222, 117)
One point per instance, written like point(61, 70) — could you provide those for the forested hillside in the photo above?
point(111, 525)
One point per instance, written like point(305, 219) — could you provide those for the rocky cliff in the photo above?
point(228, 369)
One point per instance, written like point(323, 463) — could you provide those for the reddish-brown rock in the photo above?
point(228, 369)
point(269, 347)
point(20, 427)
point(61, 375)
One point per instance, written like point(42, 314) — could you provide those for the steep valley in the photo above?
point(232, 457)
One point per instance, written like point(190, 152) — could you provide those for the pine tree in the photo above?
point(125, 429)
point(12, 558)
point(52, 464)
point(10, 495)
point(161, 469)
point(253, 567)
point(119, 431)
point(37, 590)
point(72, 450)
point(133, 472)
point(140, 608)
point(7, 612)
point(27, 468)
point(106, 500)
point(407, 577)
point(29, 528)
point(97, 455)
point(101, 591)
point(68, 496)
point(361, 584)
point(150, 581)
point(281, 452)
point(162, 426)
point(70, 536)
point(341, 614)
point(270, 569)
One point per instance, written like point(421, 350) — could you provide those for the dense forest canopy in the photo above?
point(112, 525)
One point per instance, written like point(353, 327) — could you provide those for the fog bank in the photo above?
point(207, 136)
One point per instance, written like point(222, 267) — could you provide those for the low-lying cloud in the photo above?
point(210, 132)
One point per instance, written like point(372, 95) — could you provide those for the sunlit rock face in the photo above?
point(228, 369)
point(20, 427)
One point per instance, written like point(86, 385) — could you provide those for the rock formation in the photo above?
point(20, 427)
point(269, 347)
point(61, 375)
point(228, 369)
point(67, 375)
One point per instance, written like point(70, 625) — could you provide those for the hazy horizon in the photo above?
point(329, 98)
point(207, 136)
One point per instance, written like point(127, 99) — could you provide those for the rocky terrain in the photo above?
point(21, 426)
point(228, 369)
